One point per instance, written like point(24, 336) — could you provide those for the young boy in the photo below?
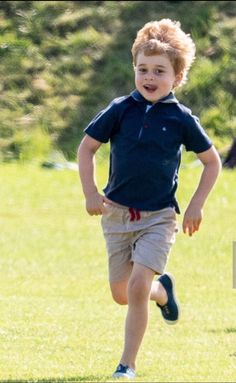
point(146, 130)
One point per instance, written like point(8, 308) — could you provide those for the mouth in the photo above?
point(150, 88)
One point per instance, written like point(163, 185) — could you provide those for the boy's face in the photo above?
point(155, 76)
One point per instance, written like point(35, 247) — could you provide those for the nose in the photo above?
point(149, 76)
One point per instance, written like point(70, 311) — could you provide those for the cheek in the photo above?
point(166, 82)
point(138, 79)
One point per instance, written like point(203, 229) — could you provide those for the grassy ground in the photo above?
point(58, 321)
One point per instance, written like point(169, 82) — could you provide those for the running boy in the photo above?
point(146, 130)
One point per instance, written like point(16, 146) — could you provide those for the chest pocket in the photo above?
point(166, 137)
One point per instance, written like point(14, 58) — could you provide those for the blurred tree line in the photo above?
point(63, 61)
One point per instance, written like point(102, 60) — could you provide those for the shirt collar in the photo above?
point(170, 99)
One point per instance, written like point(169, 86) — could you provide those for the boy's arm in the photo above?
point(212, 166)
point(86, 162)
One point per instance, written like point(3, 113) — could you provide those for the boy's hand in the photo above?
point(95, 204)
point(192, 219)
point(212, 165)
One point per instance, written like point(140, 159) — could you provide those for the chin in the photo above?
point(150, 99)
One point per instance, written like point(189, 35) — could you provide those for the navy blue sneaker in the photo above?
point(124, 372)
point(170, 311)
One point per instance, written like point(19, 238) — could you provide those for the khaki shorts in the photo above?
point(131, 236)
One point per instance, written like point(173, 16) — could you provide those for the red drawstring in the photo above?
point(138, 216)
point(134, 214)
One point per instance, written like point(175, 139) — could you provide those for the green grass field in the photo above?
point(58, 321)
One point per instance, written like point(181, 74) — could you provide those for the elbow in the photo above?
point(216, 161)
point(82, 149)
point(87, 149)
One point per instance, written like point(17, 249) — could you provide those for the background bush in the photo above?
point(63, 61)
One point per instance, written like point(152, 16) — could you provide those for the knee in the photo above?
point(138, 290)
point(119, 292)
point(119, 297)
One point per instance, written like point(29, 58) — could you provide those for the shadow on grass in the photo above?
point(228, 330)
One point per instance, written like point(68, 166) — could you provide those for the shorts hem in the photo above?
point(151, 267)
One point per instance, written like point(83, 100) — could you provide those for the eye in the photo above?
point(159, 71)
point(142, 70)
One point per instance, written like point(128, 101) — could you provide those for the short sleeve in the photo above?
point(195, 137)
point(104, 123)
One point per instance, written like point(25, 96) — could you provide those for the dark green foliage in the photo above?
point(63, 61)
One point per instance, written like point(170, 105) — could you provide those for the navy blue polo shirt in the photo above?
point(145, 148)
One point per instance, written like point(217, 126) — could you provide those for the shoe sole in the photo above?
point(173, 322)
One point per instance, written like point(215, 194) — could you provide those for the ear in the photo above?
point(178, 79)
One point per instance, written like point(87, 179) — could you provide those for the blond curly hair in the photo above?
point(166, 37)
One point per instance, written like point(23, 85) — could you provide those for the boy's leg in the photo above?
point(138, 292)
point(119, 292)
point(158, 293)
